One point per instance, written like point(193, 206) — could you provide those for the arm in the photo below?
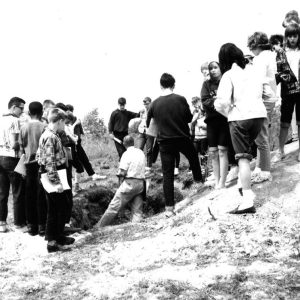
point(207, 97)
point(149, 115)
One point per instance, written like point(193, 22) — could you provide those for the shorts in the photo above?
point(288, 103)
point(243, 133)
point(218, 134)
point(201, 146)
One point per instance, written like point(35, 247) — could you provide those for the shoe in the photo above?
point(66, 240)
point(278, 157)
point(240, 191)
point(176, 171)
point(42, 230)
point(261, 178)
point(52, 246)
point(237, 211)
point(3, 226)
point(169, 212)
point(232, 174)
point(32, 229)
point(98, 177)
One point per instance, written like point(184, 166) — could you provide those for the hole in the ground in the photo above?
point(90, 204)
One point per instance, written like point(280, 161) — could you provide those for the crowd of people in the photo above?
point(230, 119)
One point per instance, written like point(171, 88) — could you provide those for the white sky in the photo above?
point(89, 53)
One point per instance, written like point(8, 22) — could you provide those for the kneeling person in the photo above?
point(132, 176)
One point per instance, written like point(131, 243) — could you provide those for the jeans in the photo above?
point(130, 190)
point(262, 141)
point(35, 198)
point(142, 140)
point(9, 177)
point(168, 150)
point(56, 216)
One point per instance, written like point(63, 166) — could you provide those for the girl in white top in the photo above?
point(239, 98)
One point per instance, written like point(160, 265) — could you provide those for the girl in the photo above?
point(265, 62)
point(240, 99)
point(290, 89)
point(217, 126)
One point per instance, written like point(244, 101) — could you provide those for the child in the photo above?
point(217, 126)
point(200, 141)
point(47, 105)
point(35, 202)
point(51, 157)
point(265, 62)
point(290, 88)
point(240, 99)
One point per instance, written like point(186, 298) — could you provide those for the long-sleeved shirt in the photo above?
point(240, 94)
point(172, 115)
point(119, 120)
point(50, 154)
point(29, 139)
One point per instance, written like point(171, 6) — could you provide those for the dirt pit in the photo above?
point(90, 204)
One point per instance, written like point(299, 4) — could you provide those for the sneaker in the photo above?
point(3, 227)
point(176, 171)
point(98, 177)
point(278, 157)
point(66, 240)
point(52, 246)
point(232, 174)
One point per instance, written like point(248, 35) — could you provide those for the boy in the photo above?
point(51, 157)
point(35, 202)
point(132, 176)
point(9, 158)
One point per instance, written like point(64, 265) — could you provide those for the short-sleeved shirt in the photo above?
point(9, 128)
point(133, 162)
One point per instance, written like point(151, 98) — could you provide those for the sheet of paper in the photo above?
point(52, 188)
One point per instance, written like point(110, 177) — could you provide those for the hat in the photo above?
point(122, 101)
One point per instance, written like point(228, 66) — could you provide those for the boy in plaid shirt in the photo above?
point(51, 157)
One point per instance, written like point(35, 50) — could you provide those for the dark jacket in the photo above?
point(172, 115)
point(119, 120)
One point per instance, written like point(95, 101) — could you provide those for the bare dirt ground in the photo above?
point(190, 256)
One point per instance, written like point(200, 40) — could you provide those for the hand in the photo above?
point(59, 188)
point(111, 136)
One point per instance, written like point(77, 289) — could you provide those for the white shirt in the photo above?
point(9, 127)
point(293, 57)
point(134, 163)
point(239, 95)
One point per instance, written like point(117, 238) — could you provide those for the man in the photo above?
point(172, 115)
point(118, 125)
point(9, 158)
point(143, 137)
point(132, 176)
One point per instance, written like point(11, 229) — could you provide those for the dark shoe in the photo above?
point(237, 211)
point(66, 241)
point(32, 229)
point(52, 246)
point(42, 230)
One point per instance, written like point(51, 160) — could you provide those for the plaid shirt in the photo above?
point(285, 75)
point(51, 154)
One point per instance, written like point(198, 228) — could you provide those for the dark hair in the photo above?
point(47, 102)
point(292, 29)
point(258, 40)
point(276, 39)
point(229, 54)
point(15, 101)
point(213, 62)
point(167, 81)
point(35, 108)
point(147, 99)
point(61, 106)
point(122, 101)
point(70, 116)
point(55, 115)
point(70, 107)
point(128, 141)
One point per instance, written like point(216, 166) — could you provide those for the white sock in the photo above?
point(247, 200)
point(257, 170)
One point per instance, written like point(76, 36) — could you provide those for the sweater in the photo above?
point(240, 94)
point(172, 115)
point(119, 120)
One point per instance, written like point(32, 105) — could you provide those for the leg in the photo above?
point(137, 208)
point(4, 193)
point(223, 159)
point(149, 148)
point(155, 150)
point(214, 154)
point(167, 155)
point(84, 160)
point(69, 196)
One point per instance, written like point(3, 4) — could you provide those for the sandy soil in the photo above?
point(190, 256)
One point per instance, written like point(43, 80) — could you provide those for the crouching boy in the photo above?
point(51, 158)
point(132, 177)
